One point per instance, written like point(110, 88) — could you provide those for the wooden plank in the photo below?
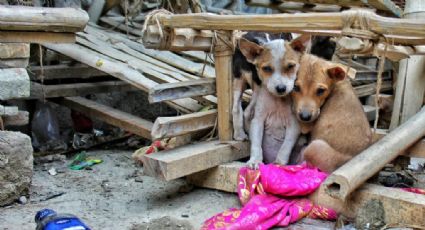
point(223, 70)
point(399, 207)
point(185, 124)
point(36, 37)
point(63, 71)
point(182, 161)
point(172, 91)
point(109, 115)
point(42, 19)
point(343, 181)
point(223, 177)
point(14, 50)
point(119, 70)
point(77, 89)
point(369, 89)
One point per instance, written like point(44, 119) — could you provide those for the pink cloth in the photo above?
point(270, 197)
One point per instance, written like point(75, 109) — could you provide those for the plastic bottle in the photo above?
point(48, 219)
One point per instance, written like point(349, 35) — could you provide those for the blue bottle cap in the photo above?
point(43, 214)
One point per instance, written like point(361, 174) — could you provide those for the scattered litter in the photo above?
point(52, 171)
point(50, 196)
point(81, 161)
point(48, 219)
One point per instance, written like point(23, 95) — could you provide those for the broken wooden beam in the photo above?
point(182, 161)
point(351, 175)
point(185, 124)
point(77, 89)
point(23, 18)
point(184, 89)
point(109, 115)
point(63, 71)
point(14, 50)
point(15, 83)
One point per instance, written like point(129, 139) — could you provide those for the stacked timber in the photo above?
point(20, 26)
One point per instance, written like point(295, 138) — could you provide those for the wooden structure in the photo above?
point(38, 24)
point(167, 31)
point(19, 26)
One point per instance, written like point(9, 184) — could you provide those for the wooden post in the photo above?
point(223, 51)
point(410, 83)
point(354, 173)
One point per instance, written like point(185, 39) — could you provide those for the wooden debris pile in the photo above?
point(19, 26)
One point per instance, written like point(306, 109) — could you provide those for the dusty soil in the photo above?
point(115, 195)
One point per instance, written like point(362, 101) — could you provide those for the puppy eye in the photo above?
point(320, 91)
point(290, 66)
point(296, 88)
point(267, 69)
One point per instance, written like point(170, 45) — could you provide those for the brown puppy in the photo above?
point(327, 107)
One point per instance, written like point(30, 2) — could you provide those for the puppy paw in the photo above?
point(240, 136)
point(281, 161)
point(254, 163)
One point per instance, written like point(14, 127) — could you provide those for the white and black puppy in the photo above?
point(245, 76)
point(274, 129)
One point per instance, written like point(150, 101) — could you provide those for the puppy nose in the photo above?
point(304, 116)
point(280, 88)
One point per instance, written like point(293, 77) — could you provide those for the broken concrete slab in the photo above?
point(16, 166)
point(14, 83)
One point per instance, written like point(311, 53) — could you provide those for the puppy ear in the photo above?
point(250, 49)
point(301, 43)
point(336, 73)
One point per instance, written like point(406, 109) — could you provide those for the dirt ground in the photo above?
point(115, 195)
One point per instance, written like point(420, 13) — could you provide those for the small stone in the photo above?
point(22, 200)
point(185, 215)
point(52, 171)
point(138, 180)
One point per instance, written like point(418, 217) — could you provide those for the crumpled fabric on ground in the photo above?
point(271, 196)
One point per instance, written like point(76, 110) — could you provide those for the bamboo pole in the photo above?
point(42, 19)
point(291, 22)
point(223, 52)
point(350, 176)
